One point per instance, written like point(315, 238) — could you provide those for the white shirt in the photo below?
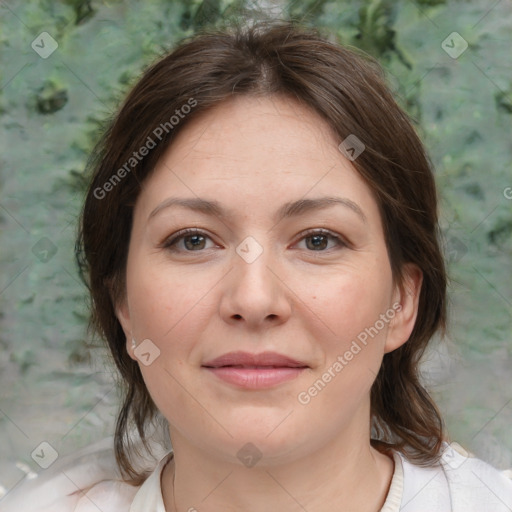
point(459, 483)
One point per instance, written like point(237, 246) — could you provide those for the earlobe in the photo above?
point(407, 295)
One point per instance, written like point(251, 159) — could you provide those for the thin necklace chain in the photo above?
point(173, 494)
point(173, 486)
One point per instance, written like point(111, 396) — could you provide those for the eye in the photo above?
point(194, 240)
point(319, 239)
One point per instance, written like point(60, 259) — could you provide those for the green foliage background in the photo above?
point(51, 111)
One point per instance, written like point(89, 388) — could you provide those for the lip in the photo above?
point(255, 371)
point(246, 359)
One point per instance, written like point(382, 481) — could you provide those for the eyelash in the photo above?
point(171, 241)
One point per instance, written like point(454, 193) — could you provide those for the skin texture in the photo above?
point(202, 299)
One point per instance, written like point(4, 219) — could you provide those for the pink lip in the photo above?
point(246, 359)
point(254, 371)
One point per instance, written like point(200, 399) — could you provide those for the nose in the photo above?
point(255, 292)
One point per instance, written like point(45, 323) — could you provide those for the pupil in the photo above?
point(196, 239)
point(316, 238)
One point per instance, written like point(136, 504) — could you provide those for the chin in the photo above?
point(273, 441)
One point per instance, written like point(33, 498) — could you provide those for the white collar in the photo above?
point(149, 497)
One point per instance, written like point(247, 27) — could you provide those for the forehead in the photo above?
point(249, 131)
point(255, 151)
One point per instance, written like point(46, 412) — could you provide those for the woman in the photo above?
point(260, 240)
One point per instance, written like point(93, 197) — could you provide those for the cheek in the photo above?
point(162, 299)
point(353, 343)
point(353, 302)
point(167, 306)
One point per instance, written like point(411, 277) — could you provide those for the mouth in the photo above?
point(255, 371)
point(253, 367)
point(254, 361)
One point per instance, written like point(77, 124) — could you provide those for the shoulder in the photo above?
point(474, 481)
point(88, 481)
point(459, 482)
point(107, 496)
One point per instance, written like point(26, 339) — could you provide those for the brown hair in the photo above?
point(347, 88)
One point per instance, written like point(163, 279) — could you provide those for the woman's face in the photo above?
point(258, 277)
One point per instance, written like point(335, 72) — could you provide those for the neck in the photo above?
point(340, 475)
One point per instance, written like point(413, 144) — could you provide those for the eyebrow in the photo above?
point(288, 210)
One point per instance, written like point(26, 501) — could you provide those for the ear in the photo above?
point(123, 315)
point(407, 295)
